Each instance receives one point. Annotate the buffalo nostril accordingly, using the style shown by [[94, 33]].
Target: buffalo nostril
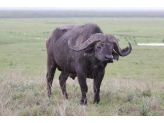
[[109, 57]]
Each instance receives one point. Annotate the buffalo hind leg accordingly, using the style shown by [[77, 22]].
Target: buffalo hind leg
[[62, 80], [96, 86], [51, 67], [84, 88]]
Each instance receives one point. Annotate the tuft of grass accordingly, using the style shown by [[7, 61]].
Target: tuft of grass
[[130, 96], [147, 92], [145, 107]]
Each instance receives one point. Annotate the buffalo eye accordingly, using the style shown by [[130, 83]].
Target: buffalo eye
[[102, 45], [98, 47]]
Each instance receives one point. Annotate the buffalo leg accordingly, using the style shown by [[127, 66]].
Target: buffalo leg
[[51, 67], [96, 85], [84, 88], [62, 80]]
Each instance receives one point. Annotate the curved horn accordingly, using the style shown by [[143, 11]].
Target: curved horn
[[123, 52], [90, 41]]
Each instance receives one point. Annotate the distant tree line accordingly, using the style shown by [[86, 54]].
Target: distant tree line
[[51, 14]]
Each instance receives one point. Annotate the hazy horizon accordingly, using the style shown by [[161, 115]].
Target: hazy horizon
[[87, 8]]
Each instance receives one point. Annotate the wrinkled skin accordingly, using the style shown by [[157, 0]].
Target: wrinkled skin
[[88, 63]]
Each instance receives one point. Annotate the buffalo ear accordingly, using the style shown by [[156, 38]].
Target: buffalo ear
[[115, 55], [89, 51]]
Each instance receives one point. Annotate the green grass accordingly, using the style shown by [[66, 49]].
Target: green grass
[[131, 86]]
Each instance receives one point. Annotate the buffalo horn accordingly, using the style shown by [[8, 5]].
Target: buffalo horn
[[90, 41], [101, 37], [123, 52]]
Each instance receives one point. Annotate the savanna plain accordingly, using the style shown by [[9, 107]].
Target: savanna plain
[[133, 85]]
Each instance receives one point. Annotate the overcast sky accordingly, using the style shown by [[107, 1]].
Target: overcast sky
[[85, 8]]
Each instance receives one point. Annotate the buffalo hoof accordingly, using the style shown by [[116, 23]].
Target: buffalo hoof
[[83, 102], [49, 95], [65, 96], [96, 101]]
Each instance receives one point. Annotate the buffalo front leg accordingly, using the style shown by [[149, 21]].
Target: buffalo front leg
[[51, 67], [96, 86], [62, 80], [84, 88]]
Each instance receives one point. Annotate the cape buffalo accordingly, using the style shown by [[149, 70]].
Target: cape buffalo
[[81, 51]]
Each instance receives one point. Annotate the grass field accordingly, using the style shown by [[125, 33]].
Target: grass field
[[131, 86]]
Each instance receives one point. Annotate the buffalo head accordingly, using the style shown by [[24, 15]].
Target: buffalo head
[[104, 47]]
